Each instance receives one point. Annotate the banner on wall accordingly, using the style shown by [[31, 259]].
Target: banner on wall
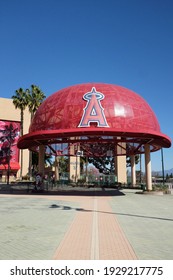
[[9, 135]]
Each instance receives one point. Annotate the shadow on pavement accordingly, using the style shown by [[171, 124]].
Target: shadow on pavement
[[64, 207], [75, 191]]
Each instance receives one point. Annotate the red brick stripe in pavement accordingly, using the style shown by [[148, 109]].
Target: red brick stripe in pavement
[[94, 234]]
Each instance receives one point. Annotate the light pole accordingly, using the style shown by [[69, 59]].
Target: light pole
[[163, 172], [140, 158]]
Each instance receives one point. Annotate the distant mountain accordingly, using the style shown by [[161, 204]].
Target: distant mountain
[[159, 173]]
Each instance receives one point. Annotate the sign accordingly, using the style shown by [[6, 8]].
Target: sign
[[93, 112], [9, 135]]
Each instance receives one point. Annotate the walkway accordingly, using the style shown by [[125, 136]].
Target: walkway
[[95, 234], [93, 225]]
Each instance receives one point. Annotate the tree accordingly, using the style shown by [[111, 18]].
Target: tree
[[31, 98], [106, 165], [128, 160], [63, 164], [20, 101], [34, 99]]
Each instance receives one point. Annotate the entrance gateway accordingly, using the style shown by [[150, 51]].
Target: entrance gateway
[[97, 119]]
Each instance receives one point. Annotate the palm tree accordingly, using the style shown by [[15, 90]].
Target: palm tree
[[20, 101], [32, 98], [35, 98]]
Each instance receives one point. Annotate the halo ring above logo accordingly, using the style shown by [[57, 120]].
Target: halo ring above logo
[[88, 95]]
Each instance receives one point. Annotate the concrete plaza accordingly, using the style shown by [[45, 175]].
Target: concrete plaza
[[93, 224]]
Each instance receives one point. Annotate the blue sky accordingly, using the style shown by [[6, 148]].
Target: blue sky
[[58, 43]]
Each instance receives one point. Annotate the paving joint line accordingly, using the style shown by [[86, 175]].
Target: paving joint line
[[95, 233]]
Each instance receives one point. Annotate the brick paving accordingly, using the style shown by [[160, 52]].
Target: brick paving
[[114, 245], [95, 234], [93, 226], [77, 241]]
